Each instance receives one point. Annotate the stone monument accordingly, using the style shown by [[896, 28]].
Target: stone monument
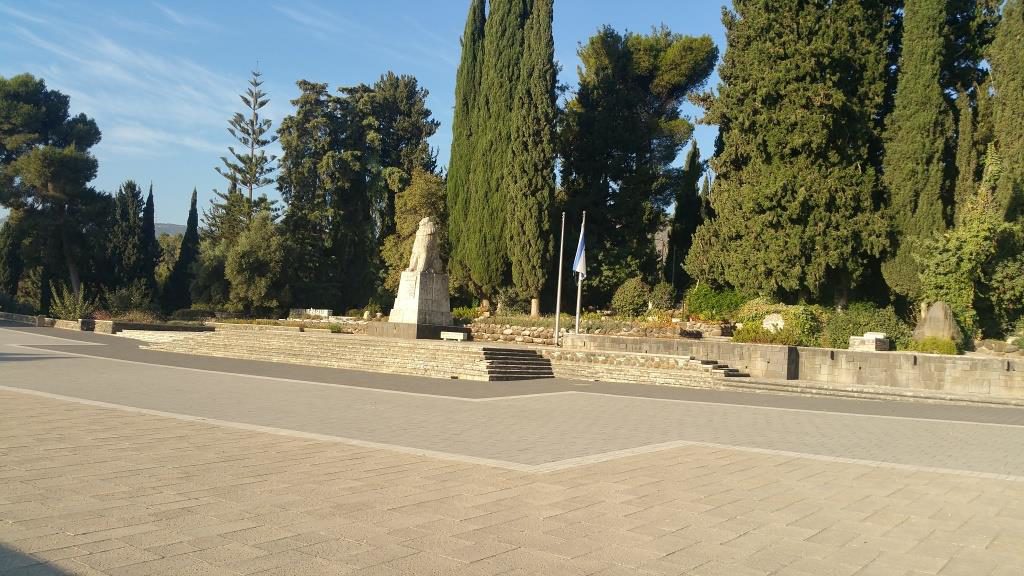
[[422, 305]]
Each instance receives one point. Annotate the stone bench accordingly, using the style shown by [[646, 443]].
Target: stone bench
[[455, 336]]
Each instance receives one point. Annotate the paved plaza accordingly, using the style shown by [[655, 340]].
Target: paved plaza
[[119, 461]]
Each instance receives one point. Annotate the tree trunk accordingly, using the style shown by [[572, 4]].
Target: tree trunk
[[535, 308], [66, 243]]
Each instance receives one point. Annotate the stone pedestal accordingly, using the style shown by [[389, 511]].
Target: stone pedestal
[[422, 308], [422, 299]]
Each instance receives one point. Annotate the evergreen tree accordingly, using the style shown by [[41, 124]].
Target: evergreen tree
[[1006, 56], [254, 266], [177, 294], [795, 196], [250, 167], [45, 164], [494, 120], [621, 134], [966, 152], [531, 179], [11, 263], [706, 211], [126, 239], [916, 143], [465, 147], [402, 124], [228, 214], [150, 245], [686, 217]]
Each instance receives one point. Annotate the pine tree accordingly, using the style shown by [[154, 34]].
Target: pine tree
[[465, 147], [1006, 56], [150, 246], [620, 136], [493, 123], [126, 239], [250, 167], [531, 179], [796, 188], [686, 217], [177, 294]]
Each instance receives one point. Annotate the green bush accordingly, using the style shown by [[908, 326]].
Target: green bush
[[632, 298], [861, 317], [663, 296], [934, 346], [192, 315], [139, 317], [129, 298], [802, 327], [12, 305], [464, 314], [66, 305], [706, 303]]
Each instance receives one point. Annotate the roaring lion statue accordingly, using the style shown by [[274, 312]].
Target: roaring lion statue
[[425, 253]]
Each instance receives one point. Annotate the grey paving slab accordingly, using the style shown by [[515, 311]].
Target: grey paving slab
[[531, 430]]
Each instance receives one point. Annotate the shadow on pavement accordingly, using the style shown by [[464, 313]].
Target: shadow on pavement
[[8, 357], [11, 560]]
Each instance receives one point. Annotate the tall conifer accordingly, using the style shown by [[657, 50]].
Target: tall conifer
[[795, 193], [916, 140], [686, 217], [966, 152], [150, 246], [177, 293], [531, 180], [493, 123], [461, 228], [1007, 58]]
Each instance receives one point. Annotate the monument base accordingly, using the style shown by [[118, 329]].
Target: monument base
[[409, 331]]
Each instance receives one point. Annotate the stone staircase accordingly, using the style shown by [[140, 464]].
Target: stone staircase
[[435, 359]]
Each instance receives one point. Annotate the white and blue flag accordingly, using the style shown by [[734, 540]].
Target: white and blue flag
[[579, 265]]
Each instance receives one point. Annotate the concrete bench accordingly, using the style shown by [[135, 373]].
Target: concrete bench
[[456, 336]]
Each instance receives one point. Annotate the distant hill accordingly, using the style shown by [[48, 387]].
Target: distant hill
[[171, 229], [161, 228]]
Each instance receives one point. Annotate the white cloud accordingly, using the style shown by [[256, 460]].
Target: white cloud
[[184, 20]]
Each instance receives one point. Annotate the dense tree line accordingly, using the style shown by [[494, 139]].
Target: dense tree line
[[867, 150]]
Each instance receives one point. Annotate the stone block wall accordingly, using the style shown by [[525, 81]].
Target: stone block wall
[[510, 333], [913, 370], [758, 360]]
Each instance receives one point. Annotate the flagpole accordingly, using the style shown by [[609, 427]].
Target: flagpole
[[579, 283], [558, 297]]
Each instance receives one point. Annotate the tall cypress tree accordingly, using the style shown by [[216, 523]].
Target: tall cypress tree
[[916, 140], [796, 188], [494, 122], [461, 228], [150, 245], [1006, 56], [531, 179], [177, 293], [686, 217], [11, 262], [966, 151]]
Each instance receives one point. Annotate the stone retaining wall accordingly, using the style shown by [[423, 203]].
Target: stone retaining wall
[[510, 333], [981, 376], [41, 321], [758, 360]]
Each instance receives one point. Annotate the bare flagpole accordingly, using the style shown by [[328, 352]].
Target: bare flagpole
[[558, 297]]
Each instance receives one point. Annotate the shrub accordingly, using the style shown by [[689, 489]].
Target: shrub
[[139, 317], [706, 303], [129, 298], [756, 309], [861, 317], [934, 346], [10, 304], [632, 298], [663, 296], [66, 305], [802, 327], [192, 315], [511, 303], [464, 314]]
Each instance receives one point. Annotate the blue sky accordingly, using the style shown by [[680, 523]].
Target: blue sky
[[162, 78]]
